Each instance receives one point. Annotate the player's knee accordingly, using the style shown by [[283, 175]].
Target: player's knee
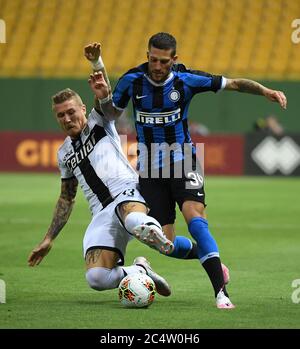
[[191, 209], [99, 278], [134, 219], [131, 207]]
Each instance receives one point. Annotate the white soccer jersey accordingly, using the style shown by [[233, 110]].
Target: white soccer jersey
[[97, 160]]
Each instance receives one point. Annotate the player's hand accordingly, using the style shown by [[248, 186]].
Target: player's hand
[[276, 96], [39, 252], [92, 51], [99, 85]]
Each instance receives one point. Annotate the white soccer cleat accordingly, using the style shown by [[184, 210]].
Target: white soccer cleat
[[225, 274], [152, 236], [162, 286], [223, 302]]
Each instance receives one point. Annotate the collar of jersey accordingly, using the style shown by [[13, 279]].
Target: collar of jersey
[[170, 77]]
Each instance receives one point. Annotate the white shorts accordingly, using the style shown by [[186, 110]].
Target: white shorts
[[106, 231]]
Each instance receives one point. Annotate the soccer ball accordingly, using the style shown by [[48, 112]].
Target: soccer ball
[[137, 291]]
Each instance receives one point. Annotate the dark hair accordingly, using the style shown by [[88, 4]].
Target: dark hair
[[163, 41], [65, 95]]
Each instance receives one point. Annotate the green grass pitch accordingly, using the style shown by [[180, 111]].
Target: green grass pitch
[[254, 220]]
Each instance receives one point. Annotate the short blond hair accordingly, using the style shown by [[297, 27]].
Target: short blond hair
[[65, 95]]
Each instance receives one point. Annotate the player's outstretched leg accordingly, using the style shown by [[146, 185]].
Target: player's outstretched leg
[[100, 278], [154, 237], [148, 230], [162, 286]]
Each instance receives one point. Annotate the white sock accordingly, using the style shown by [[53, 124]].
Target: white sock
[[134, 219], [100, 278]]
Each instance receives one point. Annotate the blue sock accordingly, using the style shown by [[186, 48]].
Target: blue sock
[[207, 246], [182, 247]]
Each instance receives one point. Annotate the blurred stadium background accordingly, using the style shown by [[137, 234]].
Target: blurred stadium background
[[243, 135], [249, 37], [43, 53]]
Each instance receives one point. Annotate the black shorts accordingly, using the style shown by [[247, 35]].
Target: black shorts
[[162, 194]]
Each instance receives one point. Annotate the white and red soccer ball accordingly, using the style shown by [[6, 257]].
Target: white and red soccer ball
[[137, 291]]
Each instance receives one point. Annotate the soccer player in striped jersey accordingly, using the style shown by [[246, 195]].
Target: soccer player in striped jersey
[[92, 157], [161, 91]]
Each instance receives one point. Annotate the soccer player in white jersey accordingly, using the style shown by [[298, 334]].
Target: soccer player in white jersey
[[92, 157]]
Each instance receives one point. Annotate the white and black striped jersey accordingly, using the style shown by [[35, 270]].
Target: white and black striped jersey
[[97, 160]]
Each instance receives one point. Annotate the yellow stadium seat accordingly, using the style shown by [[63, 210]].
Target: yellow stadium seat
[[251, 37]]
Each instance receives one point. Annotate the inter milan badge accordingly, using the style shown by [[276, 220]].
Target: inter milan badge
[[174, 95]]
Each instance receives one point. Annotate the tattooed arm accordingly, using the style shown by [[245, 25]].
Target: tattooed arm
[[253, 87], [61, 215]]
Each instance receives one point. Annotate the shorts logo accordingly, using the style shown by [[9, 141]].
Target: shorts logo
[[174, 95]]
